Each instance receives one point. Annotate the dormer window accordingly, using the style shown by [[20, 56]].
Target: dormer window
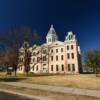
[[50, 40], [69, 37]]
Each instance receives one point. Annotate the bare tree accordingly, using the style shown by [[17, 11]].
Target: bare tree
[[14, 39]]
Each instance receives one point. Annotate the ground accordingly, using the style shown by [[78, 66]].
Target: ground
[[87, 81], [47, 94]]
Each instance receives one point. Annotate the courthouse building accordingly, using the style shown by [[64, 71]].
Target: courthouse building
[[54, 56]]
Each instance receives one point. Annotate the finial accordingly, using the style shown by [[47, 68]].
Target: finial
[[52, 26]]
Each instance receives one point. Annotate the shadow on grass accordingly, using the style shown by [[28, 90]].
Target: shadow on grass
[[11, 79], [45, 74]]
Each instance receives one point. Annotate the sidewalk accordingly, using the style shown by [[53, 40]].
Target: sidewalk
[[60, 89]]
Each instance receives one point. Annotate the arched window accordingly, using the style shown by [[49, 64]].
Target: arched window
[[56, 58], [73, 67], [33, 68], [67, 47], [72, 55], [62, 57], [62, 67], [57, 68], [72, 47], [69, 69], [37, 68], [61, 49], [51, 67]]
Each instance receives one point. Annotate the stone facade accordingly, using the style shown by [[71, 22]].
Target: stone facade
[[53, 56]]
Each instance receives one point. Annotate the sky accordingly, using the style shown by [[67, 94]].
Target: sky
[[80, 16]]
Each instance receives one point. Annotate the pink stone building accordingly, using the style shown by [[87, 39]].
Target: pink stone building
[[54, 56]]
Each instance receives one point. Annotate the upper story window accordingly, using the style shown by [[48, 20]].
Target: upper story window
[[34, 53], [61, 49], [56, 58], [44, 51], [33, 59], [68, 56], [62, 57], [44, 58], [57, 68], [51, 50], [70, 37], [67, 47], [72, 47], [72, 55], [51, 58], [49, 39], [38, 59], [56, 50], [38, 52]]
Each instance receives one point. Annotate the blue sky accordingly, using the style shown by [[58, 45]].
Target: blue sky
[[80, 16]]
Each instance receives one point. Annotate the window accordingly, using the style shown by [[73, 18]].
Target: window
[[44, 64], [56, 58], [33, 59], [44, 58], [44, 51], [67, 47], [61, 49], [68, 55], [38, 52], [62, 57], [34, 53], [62, 67], [69, 67], [38, 59], [56, 67], [51, 67], [72, 55], [33, 68], [69, 37], [21, 67], [73, 67], [72, 47], [49, 40], [52, 51], [51, 58], [53, 39], [56, 50], [37, 68]]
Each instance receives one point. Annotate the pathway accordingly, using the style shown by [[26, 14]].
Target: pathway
[[61, 89]]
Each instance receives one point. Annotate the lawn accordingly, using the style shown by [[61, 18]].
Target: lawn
[[47, 94], [86, 81]]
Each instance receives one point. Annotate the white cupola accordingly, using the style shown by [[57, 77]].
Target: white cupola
[[51, 36]]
